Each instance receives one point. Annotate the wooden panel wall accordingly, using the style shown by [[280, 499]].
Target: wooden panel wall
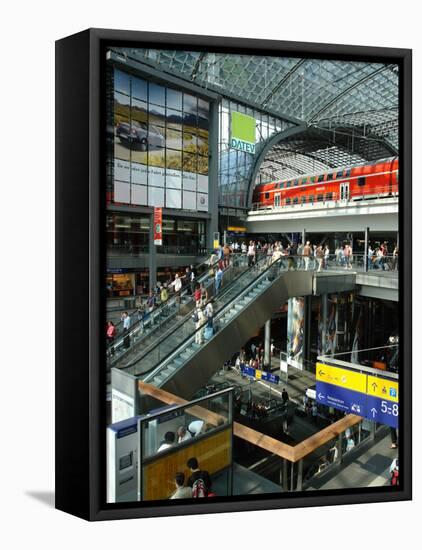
[[213, 454]]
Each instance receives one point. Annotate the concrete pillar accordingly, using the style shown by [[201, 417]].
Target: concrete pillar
[[152, 255], [365, 259], [307, 328], [267, 344], [303, 236]]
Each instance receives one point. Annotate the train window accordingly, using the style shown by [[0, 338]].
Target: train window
[[321, 178], [339, 174], [320, 198], [303, 199], [347, 174], [329, 177], [328, 196], [282, 185], [361, 181], [295, 200], [267, 195], [288, 200], [314, 179], [288, 184], [311, 198], [296, 182]]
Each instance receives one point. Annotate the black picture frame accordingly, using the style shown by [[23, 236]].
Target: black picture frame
[[80, 376]]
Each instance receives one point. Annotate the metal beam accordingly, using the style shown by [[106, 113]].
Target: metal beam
[[346, 91]]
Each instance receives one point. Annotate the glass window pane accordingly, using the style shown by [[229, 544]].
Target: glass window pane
[[121, 82], [156, 157], [173, 139], [139, 173], [174, 159], [189, 200], [139, 194], [122, 130], [190, 105], [190, 140], [155, 196], [155, 176], [189, 162], [173, 179], [121, 170], [189, 181], [202, 202], [173, 198], [174, 99], [157, 115], [121, 192], [139, 89], [157, 94], [174, 119]]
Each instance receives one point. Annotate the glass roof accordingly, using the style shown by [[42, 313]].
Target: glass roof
[[350, 108], [307, 89]]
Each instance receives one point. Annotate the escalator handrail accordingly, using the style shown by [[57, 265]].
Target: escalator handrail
[[174, 328], [247, 288], [172, 297]]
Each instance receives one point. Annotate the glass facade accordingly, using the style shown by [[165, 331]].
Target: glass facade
[[160, 145], [235, 167]]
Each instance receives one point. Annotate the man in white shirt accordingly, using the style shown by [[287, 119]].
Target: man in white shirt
[[182, 434], [169, 439]]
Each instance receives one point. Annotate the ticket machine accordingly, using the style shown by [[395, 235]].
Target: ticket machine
[[122, 461]]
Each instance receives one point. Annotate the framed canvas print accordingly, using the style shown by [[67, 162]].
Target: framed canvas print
[[233, 274]]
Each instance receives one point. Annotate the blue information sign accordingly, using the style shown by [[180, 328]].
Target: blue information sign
[[343, 399], [260, 374], [382, 411]]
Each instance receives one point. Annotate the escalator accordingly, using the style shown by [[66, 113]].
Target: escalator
[[129, 346], [183, 362]]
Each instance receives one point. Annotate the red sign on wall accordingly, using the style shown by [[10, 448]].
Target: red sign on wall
[[158, 226]]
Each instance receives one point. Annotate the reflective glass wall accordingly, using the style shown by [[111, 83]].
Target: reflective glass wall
[[235, 167], [160, 145]]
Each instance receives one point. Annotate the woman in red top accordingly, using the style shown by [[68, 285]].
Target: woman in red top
[[111, 334], [197, 296]]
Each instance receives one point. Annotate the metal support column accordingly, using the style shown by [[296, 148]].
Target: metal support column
[[292, 476], [152, 255], [303, 236], [285, 484], [299, 475], [324, 314], [267, 344], [212, 223], [365, 259], [307, 328]]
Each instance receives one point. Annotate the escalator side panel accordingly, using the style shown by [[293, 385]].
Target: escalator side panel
[[196, 372]]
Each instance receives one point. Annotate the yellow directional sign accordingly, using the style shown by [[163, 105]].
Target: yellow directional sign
[[258, 374], [341, 377], [385, 389]]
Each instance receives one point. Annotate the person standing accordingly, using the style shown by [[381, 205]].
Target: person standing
[[218, 280], [284, 396], [111, 334], [306, 254], [126, 326], [319, 253], [251, 254], [181, 490], [199, 480], [199, 321]]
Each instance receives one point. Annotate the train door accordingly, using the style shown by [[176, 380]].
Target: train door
[[277, 199], [344, 191]]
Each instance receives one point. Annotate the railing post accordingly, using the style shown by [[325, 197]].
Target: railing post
[[285, 484], [299, 475]]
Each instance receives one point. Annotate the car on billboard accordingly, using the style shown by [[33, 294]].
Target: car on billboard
[[140, 134]]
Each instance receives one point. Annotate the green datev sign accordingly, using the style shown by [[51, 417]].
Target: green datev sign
[[242, 136]]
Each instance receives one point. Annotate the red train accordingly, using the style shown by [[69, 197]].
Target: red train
[[369, 181]]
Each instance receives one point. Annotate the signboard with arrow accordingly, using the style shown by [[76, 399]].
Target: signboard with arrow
[[371, 397]]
